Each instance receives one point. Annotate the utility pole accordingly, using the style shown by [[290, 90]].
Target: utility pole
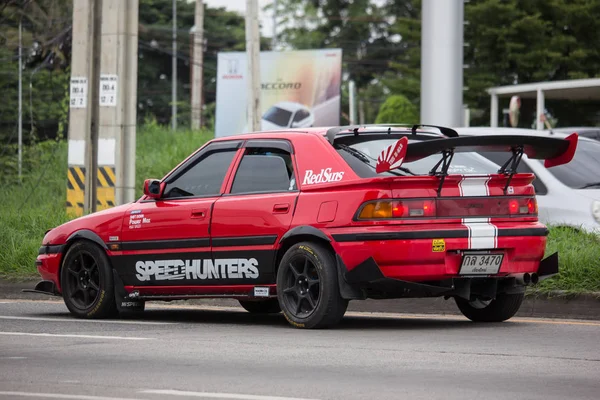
[[118, 103], [20, 124], [91, 175], [253, 53], [352, 101], [442, 62], [174, 71], [274, 39], [197, 70], [80, 99]]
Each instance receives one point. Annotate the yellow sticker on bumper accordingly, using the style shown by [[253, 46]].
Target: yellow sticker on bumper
[[438, 245]]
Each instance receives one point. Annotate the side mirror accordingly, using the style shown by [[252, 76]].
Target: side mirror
[[295, 124], [153, 188]]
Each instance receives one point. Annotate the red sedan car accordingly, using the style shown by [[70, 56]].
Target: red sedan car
[[302, 221]]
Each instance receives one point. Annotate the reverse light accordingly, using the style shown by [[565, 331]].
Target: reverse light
[[596, 210], [457, 207]]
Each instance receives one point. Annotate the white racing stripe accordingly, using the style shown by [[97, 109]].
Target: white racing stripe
[[62, 396], [57, 335], [96, 321], [482, 233], [218, 395]]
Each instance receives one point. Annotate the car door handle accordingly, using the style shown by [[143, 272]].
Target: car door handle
[[281, 208], [199, 214]]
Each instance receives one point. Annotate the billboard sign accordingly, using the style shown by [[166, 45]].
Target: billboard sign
[[298, 89]]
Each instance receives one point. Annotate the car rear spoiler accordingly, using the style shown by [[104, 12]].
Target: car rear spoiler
[[554, 151]]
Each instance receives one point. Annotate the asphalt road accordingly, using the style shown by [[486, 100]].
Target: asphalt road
[[188, 352]]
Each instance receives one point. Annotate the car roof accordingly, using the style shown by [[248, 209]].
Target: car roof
[[578, 129], [290, 105], [288, 133], [486, 130]]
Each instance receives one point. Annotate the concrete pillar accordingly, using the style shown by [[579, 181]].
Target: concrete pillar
[[540, 107], [442, 62], [80, 102], [494, 111]]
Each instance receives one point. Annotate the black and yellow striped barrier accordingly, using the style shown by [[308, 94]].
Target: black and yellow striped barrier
[[75, 191], [105, 190]]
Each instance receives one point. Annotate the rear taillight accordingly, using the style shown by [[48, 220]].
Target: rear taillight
[[459, 207], [413, 208]]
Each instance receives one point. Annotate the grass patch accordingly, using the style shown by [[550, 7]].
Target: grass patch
[[579, 262], [36, 204], [28, 209]]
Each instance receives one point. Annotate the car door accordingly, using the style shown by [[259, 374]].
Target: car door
[[256, 211], [166, 242]]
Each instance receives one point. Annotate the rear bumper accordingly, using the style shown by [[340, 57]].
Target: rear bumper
[[367, 280], [420, 253]]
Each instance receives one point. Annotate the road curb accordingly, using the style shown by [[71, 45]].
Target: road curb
[[554, 305]]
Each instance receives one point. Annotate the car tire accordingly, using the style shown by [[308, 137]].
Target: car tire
[[87, 282], [503, 307], [307, 287], [270, 306]]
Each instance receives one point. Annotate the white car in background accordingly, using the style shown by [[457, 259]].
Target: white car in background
[[287, 114], [567, 195]]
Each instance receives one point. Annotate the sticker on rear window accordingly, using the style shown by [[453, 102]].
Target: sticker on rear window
[[438, 245]]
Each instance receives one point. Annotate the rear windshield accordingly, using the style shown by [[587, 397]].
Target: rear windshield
[[364, 161], [278, 116], [584, 170]]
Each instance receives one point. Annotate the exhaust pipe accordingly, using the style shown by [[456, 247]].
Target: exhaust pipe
[[522, 279], [535, 278]]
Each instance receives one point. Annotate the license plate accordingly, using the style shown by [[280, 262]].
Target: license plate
[[481, 264]]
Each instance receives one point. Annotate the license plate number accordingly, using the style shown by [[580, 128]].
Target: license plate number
[[481, 264]]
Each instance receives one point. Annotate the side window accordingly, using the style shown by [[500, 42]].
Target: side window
[[500, 159], [204, 178], [264, 170], [300, 115]]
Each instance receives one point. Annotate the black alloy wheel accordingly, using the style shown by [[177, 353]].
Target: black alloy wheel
[[307, 286], [87, 281], [83, 280], [301, 292]]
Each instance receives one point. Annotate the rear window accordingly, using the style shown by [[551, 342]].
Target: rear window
[[364, 161], [278, 116]]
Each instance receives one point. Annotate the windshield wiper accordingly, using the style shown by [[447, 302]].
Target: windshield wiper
[[589, 185], [356, 153]]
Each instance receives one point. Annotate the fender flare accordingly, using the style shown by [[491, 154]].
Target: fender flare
[[88, 235], [304, 230]]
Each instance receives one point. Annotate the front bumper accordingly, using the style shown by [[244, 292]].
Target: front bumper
[[367, 280]]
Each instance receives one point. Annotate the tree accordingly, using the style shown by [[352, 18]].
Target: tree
[[510, 42], [223, 31], [397, 109], [522, 41]]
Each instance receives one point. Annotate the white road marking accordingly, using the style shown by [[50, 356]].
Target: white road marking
[[234, 396], [97, 321], [13, 358], [360, 314], [73, 336], [63, 396]]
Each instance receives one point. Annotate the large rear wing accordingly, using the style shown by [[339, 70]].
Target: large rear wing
[[554, 151]]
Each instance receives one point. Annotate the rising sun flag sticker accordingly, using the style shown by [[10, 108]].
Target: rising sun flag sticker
[[392, 156]]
